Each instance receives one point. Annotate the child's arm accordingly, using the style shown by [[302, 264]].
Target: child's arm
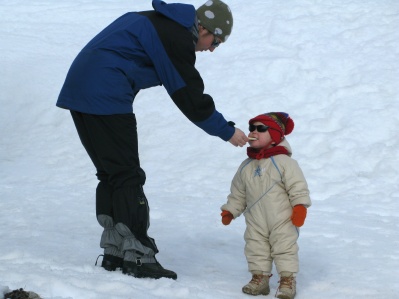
[[236, 202], [296, 185], [298, 192]]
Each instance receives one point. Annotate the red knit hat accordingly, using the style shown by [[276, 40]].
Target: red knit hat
[[279, 124]]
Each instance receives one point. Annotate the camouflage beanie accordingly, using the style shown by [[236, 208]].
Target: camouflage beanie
[[216, 17]]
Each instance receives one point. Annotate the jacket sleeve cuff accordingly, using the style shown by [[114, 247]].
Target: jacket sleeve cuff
[[216, 125]]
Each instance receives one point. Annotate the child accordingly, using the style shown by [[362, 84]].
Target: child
[[270, 189]]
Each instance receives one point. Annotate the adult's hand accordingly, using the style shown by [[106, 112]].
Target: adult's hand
[[239, 138]]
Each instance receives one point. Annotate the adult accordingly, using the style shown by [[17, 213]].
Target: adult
[[140, 50]]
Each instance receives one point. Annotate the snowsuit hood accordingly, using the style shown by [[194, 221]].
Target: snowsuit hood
[[284, 143]]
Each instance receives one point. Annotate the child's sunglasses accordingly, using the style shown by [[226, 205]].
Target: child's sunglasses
[[259, 128]]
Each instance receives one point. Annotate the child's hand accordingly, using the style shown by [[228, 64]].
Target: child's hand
[[226, 217], [298, 215]]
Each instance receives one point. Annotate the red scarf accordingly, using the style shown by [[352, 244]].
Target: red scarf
[[265, 153]]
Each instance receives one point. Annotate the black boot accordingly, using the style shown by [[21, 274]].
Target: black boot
[[111, 262], [147, 270]]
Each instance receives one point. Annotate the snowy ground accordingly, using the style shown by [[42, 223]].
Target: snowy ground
[[333, 65]]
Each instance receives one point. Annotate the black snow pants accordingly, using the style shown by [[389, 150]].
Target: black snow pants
[[121, 205]]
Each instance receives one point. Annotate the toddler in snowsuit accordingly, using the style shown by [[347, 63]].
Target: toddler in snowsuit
[[270, 189]]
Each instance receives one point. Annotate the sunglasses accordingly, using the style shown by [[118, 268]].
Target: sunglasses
[[259, 128], [216, 42]]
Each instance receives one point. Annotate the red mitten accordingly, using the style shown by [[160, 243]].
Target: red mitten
[[226, 217], [298, 215]]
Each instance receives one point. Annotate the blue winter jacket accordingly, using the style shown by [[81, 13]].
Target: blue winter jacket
[[137, 51]]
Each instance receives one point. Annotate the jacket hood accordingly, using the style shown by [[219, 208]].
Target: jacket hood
[[184, 14], [286, 145]]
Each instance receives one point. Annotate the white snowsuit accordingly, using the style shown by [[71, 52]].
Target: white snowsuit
[[265, 191]]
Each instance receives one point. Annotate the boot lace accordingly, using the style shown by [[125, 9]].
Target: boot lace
[[257, 278], [286, 282]]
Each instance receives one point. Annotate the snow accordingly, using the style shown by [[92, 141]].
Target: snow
[[333, 65]]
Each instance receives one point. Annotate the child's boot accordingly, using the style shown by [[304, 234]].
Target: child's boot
[[259, 285], [287, 287]]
